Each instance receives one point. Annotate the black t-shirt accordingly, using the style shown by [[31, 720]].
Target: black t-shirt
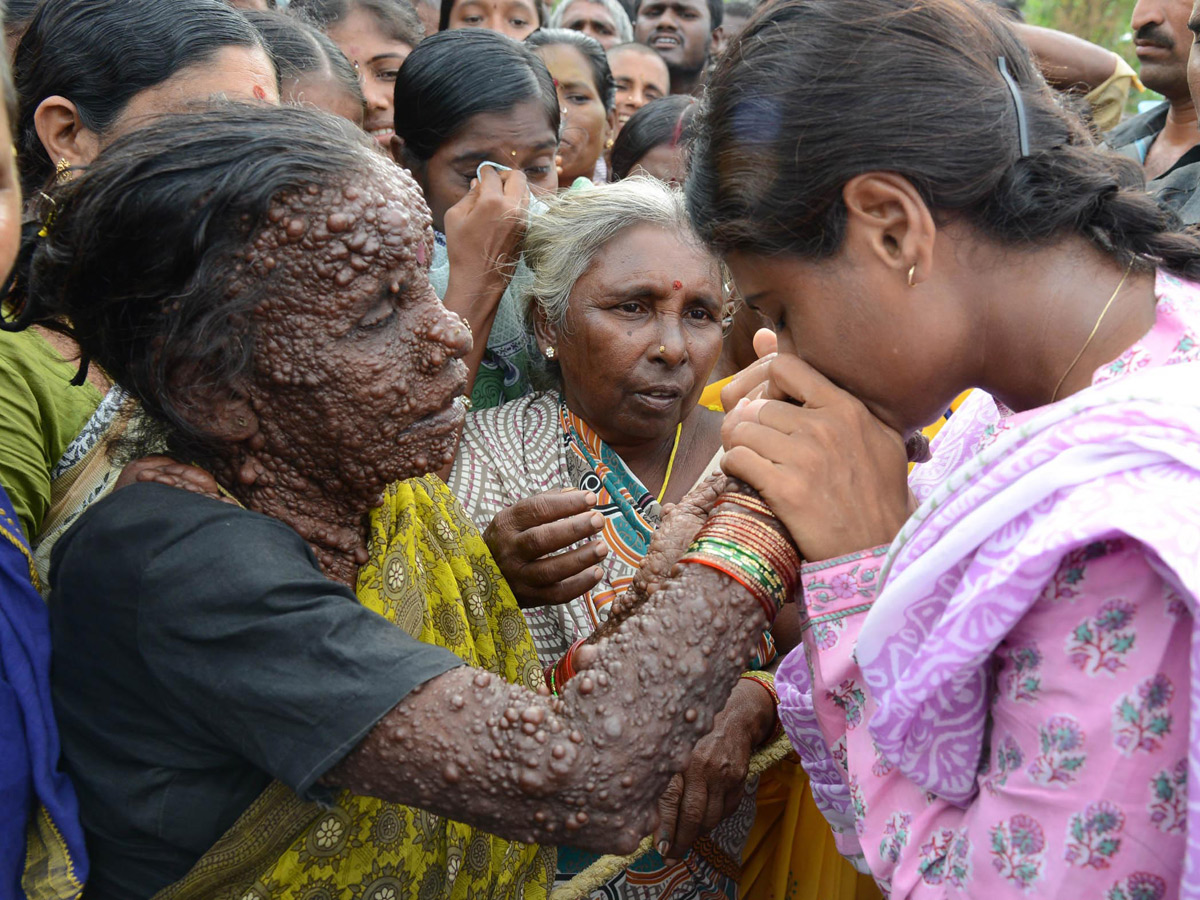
[[199, 653]]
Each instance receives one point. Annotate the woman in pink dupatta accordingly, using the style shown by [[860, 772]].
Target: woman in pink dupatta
[[995, 693]]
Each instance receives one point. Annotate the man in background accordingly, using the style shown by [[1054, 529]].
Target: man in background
[[1159, 138], [685, 33]]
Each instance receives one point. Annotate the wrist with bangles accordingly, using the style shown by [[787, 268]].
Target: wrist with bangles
[[749, 550], [766, 680], [564, 670], [744, 547]]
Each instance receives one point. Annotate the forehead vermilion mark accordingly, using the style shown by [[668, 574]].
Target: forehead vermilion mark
[[421, 253], [259, 93], [677, 284]]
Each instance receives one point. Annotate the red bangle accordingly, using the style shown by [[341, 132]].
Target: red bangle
[[767, 683], [564, 670]]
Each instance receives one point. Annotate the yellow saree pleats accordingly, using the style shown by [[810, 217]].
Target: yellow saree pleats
[[790, 854], [431, 573]]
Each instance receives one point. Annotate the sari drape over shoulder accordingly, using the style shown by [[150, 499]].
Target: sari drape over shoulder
[[42, 854]]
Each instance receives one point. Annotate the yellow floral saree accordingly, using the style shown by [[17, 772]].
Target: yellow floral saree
[[431, 573]]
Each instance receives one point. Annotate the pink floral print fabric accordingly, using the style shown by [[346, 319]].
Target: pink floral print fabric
[[999, 704]]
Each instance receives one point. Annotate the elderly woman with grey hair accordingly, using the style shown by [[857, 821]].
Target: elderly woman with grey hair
[[569, 484], [604, 20]]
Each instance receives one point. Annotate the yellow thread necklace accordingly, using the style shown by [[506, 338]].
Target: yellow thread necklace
[[670, 463]]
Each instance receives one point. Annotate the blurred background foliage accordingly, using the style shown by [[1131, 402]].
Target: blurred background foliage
[[1103, 22]]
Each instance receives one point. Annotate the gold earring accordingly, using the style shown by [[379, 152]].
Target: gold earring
[[62, 172], [608, 145], [550, 353], [912, 273]]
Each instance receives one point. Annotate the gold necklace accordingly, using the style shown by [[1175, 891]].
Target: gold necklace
[[1095, 328], [670, 463]]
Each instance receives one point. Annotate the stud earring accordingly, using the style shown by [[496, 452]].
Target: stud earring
[[550, 353], [912, 274], [608, 145], [62, 171]]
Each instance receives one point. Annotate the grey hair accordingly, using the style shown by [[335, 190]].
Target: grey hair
[[615, 9], [562, 241]]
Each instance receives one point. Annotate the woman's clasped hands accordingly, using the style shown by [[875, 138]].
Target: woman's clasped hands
[[834, 474]]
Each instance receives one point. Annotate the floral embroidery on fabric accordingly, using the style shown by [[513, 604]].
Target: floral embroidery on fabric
[[1176, 607], [850, 699], [1062, 754], [882, 765], [895, 836], [1141, 719], [1139, 886], [1184, 349], [1073, 569], [1018, 848], [1131, 360], [1099, 643], [1093, 837], [827, 632], [946, 857], [1008, 759], [838, 752], [858, 582], [1022, 674], [860, 807], [1168, 803]]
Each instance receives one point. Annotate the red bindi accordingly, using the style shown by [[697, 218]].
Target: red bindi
[[259, 93], [678, 285]]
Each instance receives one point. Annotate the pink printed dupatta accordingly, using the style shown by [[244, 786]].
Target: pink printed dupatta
[[1120, 458]]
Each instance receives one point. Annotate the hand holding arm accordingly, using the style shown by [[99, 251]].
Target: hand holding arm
[[833, 473], [527, 541]]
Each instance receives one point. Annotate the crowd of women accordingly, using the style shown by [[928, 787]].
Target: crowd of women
[[441, 458]]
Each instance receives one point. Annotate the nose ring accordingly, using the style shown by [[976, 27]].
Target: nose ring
[[662, 348]]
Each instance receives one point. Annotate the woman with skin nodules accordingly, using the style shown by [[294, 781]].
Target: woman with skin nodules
[[376, 36], [323, 662], [640, 76], [587, 93], [516, 19], [76, 94], [604, 20], [1028, 596], [312, 70], [466, 97], [627, 307]]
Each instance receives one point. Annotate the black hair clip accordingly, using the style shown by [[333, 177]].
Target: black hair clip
[[1015, 90]]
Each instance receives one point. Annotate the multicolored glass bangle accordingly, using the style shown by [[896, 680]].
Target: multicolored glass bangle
[[748, 550], [564, 670]]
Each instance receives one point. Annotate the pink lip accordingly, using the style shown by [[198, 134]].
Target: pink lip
[[1148, 49]]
